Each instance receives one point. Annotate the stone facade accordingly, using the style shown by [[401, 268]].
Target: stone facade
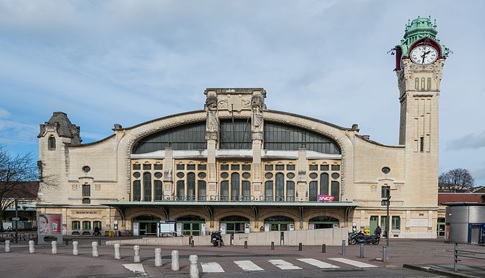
[[240, 167]]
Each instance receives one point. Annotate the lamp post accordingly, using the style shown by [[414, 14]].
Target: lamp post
[[16, 221], [387, 218]]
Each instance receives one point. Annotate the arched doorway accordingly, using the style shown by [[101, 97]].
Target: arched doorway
[[279, 223], [322, 222], [145, 225], [234, 224], [191, 225]]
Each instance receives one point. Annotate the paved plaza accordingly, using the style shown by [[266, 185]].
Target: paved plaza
[[429, 256]]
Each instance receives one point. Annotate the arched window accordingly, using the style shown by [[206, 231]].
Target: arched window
[[280, 187], [136, 190], [235, 186], [147, 186], [268, 191], [191, 186], [51, 143]]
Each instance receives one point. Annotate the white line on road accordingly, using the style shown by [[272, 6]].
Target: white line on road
[[248, 265], [318, 263], [352, 262], [211, 267], [135, 268], [283, 264]]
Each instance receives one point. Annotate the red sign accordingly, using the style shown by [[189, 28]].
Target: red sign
[[325, 198]]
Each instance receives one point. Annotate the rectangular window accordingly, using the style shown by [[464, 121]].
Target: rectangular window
[[97, 224], [268, 167], [158, 166], [421, 144], [423, 84], [246, 167], [335, 190], [324, 167], [158, 190], [290, 167], [313, 191], [202, 191], [190, 166], [224, 167], [224, 191], [86, 190], [76, 225], [335, 167], [290, 191], [147, 166], [180, 166], [396, 223], [383, 223], [385, 191], [268, 191], [235, 167], [181, 190], [428, 87], [202, 167], [280, 167], [313, 167], [136, 166], [86, 225], [86, 201]]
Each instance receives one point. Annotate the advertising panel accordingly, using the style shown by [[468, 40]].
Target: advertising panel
[[49, 224]]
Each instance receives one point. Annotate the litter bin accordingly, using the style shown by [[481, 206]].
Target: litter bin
[[111, 233]]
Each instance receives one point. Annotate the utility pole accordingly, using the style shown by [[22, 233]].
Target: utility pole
[[387, 219]]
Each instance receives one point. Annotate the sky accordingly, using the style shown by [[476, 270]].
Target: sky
[[128, 62]]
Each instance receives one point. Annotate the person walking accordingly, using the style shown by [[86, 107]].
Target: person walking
[[378, 231]]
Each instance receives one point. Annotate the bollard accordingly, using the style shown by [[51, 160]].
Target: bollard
[[94, 245], [384, 253], [190, 240], [117, 251], [54, 247], [219, 243], [136, 258], [194, 270], [175, 260], [300, 246], [232, 239], [75, 251], [324, 248], [31, 247], [361, 250], [343, 247], [158, 256], [7, 246], [272, 245], [245, 244]]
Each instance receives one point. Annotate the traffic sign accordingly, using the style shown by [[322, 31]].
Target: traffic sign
[[15, 218]]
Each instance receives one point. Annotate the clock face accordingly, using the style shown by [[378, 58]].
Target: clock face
[[424, 54]]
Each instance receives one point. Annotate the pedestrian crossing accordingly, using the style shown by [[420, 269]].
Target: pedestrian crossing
[[248, 265]]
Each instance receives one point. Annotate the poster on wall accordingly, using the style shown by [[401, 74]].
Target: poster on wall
[[49, 224]]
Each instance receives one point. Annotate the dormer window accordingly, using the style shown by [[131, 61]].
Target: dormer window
[[51, 143]]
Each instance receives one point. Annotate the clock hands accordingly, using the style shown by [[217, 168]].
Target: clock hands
[[424, 55]]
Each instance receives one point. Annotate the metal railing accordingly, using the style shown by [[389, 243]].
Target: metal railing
[[465, 254]]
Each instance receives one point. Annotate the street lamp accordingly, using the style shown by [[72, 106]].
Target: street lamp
[[387, 218]]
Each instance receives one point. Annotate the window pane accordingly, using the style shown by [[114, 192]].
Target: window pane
[[313, 191], [76, 225], [158, 190], [268, 191], [224, 191], [280, 187], [246, 190], [181, 190], [336, 190], [86, 190], [202, 191], [396, 223], [191, 186], [147, 187], [136, 191], [324, 184], [290, 191], [235, 186]]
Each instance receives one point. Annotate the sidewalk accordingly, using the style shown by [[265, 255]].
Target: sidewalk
[[426, 255]]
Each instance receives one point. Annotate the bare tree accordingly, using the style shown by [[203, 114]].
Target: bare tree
[[16, 175], [456, 180]]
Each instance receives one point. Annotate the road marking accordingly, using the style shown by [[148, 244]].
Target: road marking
[[352, 262], [283, 264], [318, 263], [248, 266], [135, 268], [211, 267]]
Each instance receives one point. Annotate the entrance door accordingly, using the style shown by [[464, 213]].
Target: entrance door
[[374, 220]]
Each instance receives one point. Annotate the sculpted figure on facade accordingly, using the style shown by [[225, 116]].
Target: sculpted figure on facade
[[212, 122], [257, 117]]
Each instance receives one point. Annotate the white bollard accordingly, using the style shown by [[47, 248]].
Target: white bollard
[[117, 251], [7, 246], [54, 247], [136, 258], [75, 250], [158, 257], [175, 260], [194, 270], [31, 247], [94, 244]]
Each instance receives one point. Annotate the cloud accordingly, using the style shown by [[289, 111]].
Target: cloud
[[469, 141]]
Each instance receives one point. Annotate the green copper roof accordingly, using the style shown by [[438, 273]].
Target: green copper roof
[[418, 29]]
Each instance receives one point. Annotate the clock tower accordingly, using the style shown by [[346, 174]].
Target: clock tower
[[419, 62]]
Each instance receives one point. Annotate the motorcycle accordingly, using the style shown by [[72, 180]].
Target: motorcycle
[[216, 239], [360, 237]]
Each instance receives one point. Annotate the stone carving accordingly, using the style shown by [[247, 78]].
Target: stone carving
[[212, 122], [257, 118]]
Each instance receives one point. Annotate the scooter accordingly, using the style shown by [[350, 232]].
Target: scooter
[[216, 239], [360, 237]]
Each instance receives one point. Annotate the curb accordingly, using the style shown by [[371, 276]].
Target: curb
[[431, 269]]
